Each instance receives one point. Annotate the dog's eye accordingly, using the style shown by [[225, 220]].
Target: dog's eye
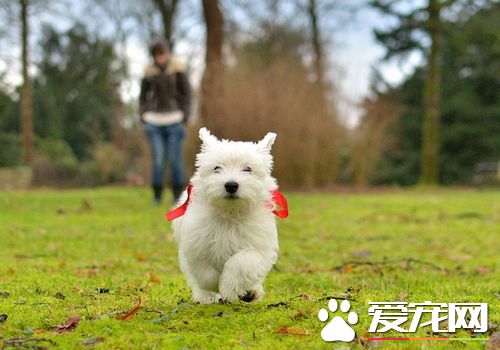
[[247, 169], [217, 169]]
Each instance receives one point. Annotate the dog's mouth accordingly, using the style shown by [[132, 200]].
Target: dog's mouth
[[231, 196]]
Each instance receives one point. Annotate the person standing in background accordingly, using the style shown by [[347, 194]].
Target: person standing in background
[[164, 107]]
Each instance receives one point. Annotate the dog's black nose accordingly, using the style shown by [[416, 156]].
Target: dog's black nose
[[231, 187]]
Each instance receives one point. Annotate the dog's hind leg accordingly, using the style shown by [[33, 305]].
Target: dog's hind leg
[[243, 275]]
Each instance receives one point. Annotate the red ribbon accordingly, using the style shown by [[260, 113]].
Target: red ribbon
[[278, 198], [179, 211]]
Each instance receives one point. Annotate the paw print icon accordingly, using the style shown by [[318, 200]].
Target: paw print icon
[[337, 329]]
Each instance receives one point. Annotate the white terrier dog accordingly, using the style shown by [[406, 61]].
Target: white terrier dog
[[225, 229]]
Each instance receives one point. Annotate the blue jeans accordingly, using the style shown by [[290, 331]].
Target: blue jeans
[[166, 144]]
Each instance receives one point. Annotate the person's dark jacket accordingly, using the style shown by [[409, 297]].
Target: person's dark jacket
[[165, 90]]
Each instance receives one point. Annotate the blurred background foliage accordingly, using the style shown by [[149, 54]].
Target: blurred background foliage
[[470, 118], [274, 78]]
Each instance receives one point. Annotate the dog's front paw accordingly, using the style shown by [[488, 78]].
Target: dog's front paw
[[253, 294], [229, 296], [249, 296], [206, 297]]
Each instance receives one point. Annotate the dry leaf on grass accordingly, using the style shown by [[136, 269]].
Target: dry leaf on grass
[[140, 257], [304, 296], [153, 278], [347, 269], [483, 270], [69, 325], [284, 330], [402, 296], [132, 312]]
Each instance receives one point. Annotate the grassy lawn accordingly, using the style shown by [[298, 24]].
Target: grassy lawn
[[92, 253]]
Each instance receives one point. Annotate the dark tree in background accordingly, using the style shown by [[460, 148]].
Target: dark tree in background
[[168, 9], [317, 43], [77, 99], [470, 104], [432, 93], [324, 21], [26, 107], [211, 85], [279, 76], [400, 40]]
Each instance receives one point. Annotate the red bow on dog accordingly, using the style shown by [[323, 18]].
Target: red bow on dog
[[278, 199]]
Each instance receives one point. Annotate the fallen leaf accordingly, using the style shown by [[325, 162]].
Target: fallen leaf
[[69, 325], [305, 297], [3, 318], [402, 296], [482, 270], [132, 312], [88, 272], [347, 269], [86, 206], [299, 315], [284, 330], [153, 278], [140, 257]]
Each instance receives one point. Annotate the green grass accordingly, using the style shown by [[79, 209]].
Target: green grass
[[57, 248]]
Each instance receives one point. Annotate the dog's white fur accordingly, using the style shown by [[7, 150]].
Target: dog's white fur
[[228, 245]]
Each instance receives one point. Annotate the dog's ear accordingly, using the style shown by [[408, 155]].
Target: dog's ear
[[206, 138], [267, 142]]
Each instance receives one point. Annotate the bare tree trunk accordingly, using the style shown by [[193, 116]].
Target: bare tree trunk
[[167, 9], [211, 100], [316, 41], [430, 131], [26, 90]]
